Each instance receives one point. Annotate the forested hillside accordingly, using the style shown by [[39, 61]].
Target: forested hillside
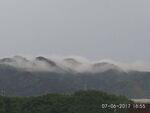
[[89, 101]]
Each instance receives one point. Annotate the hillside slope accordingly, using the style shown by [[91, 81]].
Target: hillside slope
[[18, 80]]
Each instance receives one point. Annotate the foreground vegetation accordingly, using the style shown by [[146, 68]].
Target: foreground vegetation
[[89, 101]]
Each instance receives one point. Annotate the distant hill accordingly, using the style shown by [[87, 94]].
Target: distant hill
[[22, 77], [89, 101]]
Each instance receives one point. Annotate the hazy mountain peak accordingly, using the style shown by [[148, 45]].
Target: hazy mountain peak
[[4, 60], [16, 58], [105, 66], [48, 61], [13, 59], [72, 61], [101, 64]]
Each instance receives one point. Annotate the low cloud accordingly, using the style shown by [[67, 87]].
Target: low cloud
[[72, 64]]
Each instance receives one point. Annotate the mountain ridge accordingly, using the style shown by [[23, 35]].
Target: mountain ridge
[[22, 77], [65, 65]]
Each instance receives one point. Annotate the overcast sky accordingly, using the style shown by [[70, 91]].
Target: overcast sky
[[96, 29]]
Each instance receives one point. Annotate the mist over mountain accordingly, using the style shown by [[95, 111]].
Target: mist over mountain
[[64, 65], [21, 76]]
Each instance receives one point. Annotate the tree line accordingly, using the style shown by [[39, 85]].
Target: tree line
[[84, 101]]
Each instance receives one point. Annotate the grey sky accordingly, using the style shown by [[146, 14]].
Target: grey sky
[[96, 29]]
